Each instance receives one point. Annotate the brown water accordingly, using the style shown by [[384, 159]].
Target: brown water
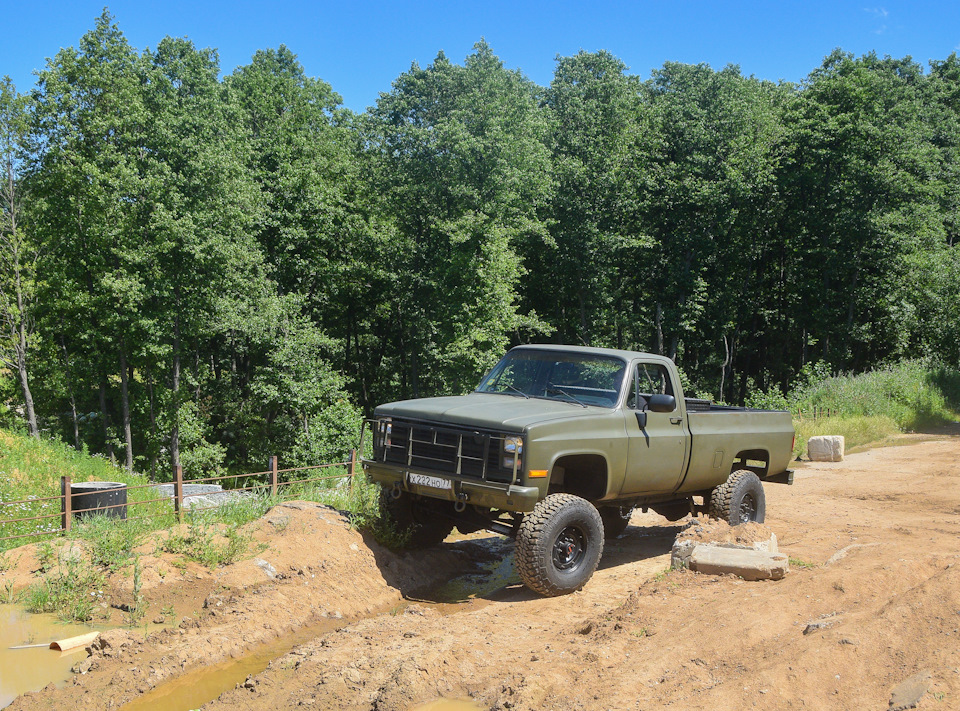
[[202, 685], [449, 705], [32, 669], [205, 684]]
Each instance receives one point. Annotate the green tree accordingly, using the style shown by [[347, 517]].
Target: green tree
[[203, 266], [89, 122], [859, 199], [597, 157], [462, 160], [18, 253]]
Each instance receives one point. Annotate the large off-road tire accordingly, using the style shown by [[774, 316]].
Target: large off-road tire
[[559, 544], [615, 520], [419, 519], [739, 499]]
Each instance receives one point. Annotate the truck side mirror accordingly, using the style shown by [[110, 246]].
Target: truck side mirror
[[661, 403], [642, 419]]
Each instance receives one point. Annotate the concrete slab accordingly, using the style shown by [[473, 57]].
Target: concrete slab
[[748, 564], [825, 448]]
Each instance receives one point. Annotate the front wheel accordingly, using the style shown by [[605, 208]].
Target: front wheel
[[559, 545]]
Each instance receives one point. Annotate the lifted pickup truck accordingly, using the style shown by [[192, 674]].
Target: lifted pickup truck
[[557, 446]]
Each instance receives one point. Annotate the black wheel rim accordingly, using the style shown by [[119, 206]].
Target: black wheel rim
[[569, 549], [748, 508]]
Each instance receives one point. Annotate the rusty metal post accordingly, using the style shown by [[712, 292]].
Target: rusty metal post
[[66, 503], [178, 492], [352, 467], [273, 476]]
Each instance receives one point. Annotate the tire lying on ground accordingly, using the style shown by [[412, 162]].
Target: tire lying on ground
[[739, 499], [421, 519], [559, 544], [615, 519]]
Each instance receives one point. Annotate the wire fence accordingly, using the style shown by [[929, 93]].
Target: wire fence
[[176, 504], [816, 413]]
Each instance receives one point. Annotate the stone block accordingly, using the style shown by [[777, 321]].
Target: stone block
[[747, 563], [825, 448], [680, 554]]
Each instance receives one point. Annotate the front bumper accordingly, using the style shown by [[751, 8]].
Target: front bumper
[[506, 497]]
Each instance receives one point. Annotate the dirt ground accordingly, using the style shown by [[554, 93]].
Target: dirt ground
[[872, 601]]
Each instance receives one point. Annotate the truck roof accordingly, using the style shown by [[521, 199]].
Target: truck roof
[[626, 355]]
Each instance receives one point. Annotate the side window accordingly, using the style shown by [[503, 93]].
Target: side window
[[648, 379]]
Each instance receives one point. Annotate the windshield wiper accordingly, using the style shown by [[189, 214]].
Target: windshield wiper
[[516, 389], [556, 388]]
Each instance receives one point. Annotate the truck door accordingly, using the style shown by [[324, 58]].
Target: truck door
[[657, 454]]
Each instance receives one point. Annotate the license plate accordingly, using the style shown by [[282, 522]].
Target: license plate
[[434, 482]]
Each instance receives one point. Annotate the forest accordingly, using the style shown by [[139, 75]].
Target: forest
[[203, 269]]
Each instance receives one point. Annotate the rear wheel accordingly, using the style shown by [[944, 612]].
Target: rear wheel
[[421, 519], [739, 499], [615, 519], [559, 544]]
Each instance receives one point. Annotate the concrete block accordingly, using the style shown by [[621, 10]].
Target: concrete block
[[680, 554], [826, 448], [748, 564]]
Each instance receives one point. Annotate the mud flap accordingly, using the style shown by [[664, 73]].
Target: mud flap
[[785, 477]]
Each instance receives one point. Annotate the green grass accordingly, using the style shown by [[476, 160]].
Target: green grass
[[212, 546], [31, 469], [72, 590], [872, 406], [912, 394], [856, 430], [110, 542]]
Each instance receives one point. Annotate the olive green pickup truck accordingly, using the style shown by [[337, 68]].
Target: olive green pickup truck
[[557, 446]]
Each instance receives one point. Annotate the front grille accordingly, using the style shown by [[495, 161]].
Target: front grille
[[470, 453]]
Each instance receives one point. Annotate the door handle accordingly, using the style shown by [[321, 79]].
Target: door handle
[[676, 420]]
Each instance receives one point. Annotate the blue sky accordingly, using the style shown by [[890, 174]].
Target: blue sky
[[360, 48]]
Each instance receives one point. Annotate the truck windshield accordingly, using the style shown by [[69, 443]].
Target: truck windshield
[[581, 378]]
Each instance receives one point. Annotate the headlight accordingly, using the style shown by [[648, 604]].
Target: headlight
[[512, 448]]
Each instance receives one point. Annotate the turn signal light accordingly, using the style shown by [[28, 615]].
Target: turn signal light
[[537, 473]]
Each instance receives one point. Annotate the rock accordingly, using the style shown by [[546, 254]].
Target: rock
[[266, 567], [747, 563], [825, 448], [110, 642], [815, 626], [82, 667], [908, 693], [680, 554]]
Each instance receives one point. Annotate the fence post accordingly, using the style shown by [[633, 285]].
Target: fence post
[[352, 466], [66, 503], [273, 475], [178, 492]]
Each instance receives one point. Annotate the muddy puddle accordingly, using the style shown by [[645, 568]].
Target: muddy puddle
[[31, 669], [494, 571], [449, 705], [192, 690]]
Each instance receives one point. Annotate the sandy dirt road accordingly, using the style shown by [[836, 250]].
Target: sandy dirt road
[[872, 601]]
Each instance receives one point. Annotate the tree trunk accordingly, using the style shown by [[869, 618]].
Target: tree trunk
[[73, 401], [125, 405], [175, 393], [105, 419], [659, 326], [27, 395], [20, 329], [153, 427]]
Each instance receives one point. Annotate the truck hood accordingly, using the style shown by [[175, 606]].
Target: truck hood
[[486, 410]]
